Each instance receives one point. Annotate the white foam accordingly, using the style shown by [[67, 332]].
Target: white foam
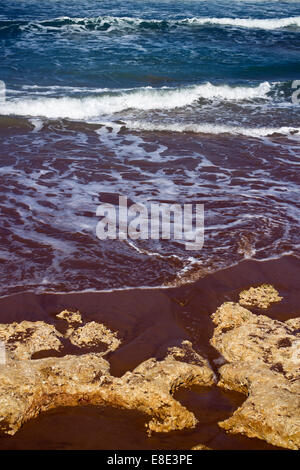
[[268, 24], [116, 23], [59, 88], [146, 98], [206, 128], [37, 124]]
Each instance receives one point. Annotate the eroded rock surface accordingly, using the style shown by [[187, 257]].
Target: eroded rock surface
[[262, 296], [28, 387], [93, 334], [153, 383], [200, 447], [24, 339], [264, 363], [72, 318]]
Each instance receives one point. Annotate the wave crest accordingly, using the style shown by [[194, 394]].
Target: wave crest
[[253, 23], [111, 23], [139, 99]]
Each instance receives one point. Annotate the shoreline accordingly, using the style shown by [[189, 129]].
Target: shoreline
[[190, 278]]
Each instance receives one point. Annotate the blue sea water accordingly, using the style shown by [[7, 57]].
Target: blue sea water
[[161, 101], [140, 43]]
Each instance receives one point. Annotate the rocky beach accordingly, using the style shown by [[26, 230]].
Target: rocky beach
[[211, 365], [149, 227]]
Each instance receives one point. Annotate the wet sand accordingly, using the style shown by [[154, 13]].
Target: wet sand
[[149, 321]]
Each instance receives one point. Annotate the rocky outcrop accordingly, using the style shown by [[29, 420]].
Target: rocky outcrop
[[259, 357], [262, 296], [24, 339], [263, 363], [152, 384], [28, 386], [93, 334], [73, 319]]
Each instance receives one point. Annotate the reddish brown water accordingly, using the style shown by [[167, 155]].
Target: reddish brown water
[[52, 181]]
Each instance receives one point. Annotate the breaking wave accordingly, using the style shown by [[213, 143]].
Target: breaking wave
[[110, 23], [139, 99], [267, 24]]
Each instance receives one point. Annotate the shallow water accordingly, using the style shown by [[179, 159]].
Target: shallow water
[[96, 428]]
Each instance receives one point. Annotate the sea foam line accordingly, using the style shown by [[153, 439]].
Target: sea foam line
[[268, 24], [215, 129], [108, 23], [146, 98]]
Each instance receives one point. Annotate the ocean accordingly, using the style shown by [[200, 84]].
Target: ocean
[[186, 102]]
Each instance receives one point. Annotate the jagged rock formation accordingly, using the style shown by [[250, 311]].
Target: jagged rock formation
[[264, 364], [28, 387], [24, 339], [152, 384], [259, 357], [91, 334], [262, 296]]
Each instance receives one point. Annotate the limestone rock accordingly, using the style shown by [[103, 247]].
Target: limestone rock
[[262, 296], [90, 334], [28, 387], [264, 364], [271, 411], [242, 336], [153, 383], [24, 339], [294, 323], [200, 447], [72, 318], [93, 334]]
